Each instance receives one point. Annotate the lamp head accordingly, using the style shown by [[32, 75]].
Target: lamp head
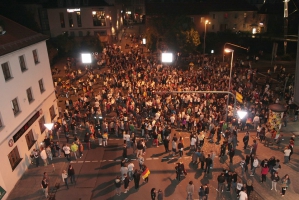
[[227, 50]]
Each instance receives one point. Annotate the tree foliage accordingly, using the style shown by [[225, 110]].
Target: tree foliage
[[171, 32]]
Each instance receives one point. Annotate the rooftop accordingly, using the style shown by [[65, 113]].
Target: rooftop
[[17, 36]]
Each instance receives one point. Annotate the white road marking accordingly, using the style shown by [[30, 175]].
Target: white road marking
[[87, 161], [73, 161], [110, 160], [155, 158], [118, 160], [148, 159], [80, 161]]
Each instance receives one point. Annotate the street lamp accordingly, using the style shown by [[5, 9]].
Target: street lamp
[[49, 126], [204, 38], [227, 50]]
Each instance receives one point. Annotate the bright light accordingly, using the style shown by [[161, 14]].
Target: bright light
[[207, 22], [129, 12], [212, 51], [107, 16], [86, 58], [167, 57], [73, 10], [49, 126], [143, 41], [254, 31], [94, 12], [227, 50], [241, 113]]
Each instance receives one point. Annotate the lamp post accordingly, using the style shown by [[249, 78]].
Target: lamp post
[[230, 77], [227, 43], [204, 37], [49, 126]]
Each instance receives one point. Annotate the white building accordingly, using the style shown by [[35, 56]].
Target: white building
[[85, 18], [27, 100]]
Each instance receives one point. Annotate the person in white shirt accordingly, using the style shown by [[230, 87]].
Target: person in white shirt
[[131, 170], [192, 144], [287, 153], [243, 195], [44, 157]]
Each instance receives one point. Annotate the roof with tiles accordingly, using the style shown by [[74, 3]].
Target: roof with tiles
[[17, 36]]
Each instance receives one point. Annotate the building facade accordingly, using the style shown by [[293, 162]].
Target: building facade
[[28, 99], [85, 18]]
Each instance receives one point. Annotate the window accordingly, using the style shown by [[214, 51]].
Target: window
[[22, 63], [245, 15], [30, 139], [62, 22], [212, 26], [15, 106], [71, 22], [225, 15], [98, 18], [214, 16], [41, 123], [29, 95], [52, 112], [72, 33], [236, 15], [14, 158], [244, 26], [192, 19], [85, 2], [79, 22], [80, 34], [6, 71], [253, 15], [41, 85], [202, 19], [35, 56], [1, 124]]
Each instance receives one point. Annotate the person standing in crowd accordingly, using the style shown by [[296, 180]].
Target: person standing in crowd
[[64, 177], [145, 173], [174, 146], [180, 148], [67, 152], [74, 149], [255, 164], [126, 183], [153, 193], [117, 183], [264, 172], [221, 180], [286, 181], [44, 156], [190, 190], [131, 170], [81, 149], [287, 152], [243, 195], [231, 154], [249, 187], [125, 152], [246, 139], [274, 178], [71, 174], [160, 195], [166, 144], [45, 187], [136, 177], [208, 162], [36, 157]]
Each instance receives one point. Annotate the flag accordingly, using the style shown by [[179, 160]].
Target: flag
[[145, 173]]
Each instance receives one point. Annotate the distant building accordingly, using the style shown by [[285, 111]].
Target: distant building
[[28, 99], [221, 15]]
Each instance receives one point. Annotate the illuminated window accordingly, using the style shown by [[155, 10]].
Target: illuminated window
[[22, 63], [35, 56], [245, 15], [29, 95], [98, 18], [79, 19], [62, 22], [6, 71], [30, 139], [41, 85], [15, 106], [14, 158], [71, 22]]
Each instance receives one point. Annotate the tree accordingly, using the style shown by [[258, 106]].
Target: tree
[[172, 32]]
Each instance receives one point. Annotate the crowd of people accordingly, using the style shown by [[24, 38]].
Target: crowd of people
[[136, 88]]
